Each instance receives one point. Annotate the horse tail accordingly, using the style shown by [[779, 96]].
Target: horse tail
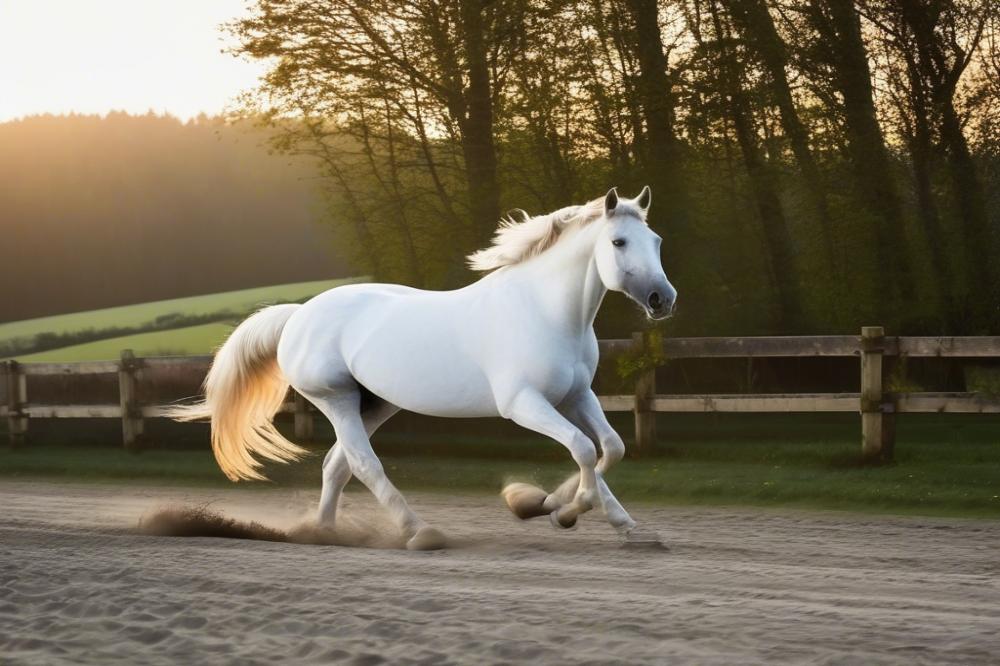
[[244, 389]]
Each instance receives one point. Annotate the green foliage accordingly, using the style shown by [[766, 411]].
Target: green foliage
[[983, 379], [634, 362], [792, 197], [898, 380]]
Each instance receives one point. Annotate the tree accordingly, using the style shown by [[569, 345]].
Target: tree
[[946, 36], [662, 150], [434, 61], [842, 49], [852, 141], [757, 26], [720, 47]]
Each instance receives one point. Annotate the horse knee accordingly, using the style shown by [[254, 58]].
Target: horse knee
[[584, 452], [613, 450]]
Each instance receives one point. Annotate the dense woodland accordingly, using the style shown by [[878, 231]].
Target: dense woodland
[[816, 164], [108, 211]]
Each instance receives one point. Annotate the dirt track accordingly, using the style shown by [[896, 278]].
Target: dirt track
[[738, 586]]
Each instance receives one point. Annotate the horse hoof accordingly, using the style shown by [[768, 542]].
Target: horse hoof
[[427, 538], [525, 500], [644, 540], [562, 520]]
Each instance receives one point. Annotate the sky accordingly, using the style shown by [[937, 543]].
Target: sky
[[96, 56]]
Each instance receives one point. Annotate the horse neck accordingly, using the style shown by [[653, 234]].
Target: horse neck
[[566, 280]]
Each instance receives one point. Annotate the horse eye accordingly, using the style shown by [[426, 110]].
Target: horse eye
[[618, 242]]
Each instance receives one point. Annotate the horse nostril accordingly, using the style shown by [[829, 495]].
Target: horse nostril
[[654, 301]]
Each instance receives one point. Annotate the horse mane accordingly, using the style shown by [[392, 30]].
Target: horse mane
[[517, 240]]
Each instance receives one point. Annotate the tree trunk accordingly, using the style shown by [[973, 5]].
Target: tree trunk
[[420, 127], [772, 218], [776, 234], [657, 102], [757, 25], [941, 64], [478, 148], [607, 111], [922, 154], [866, 144], [980, 285]]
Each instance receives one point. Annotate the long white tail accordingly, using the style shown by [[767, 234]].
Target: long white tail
[[243, 391]]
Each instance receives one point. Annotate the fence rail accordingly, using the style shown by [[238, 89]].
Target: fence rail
[[876, 406]]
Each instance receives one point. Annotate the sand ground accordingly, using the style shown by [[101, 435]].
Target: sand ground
[[78, 585]]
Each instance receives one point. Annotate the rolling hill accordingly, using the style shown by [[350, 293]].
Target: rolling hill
[[155, 336]]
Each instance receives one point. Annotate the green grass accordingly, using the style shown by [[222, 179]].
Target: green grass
[[181, 341], [943, 466], [237, 302]]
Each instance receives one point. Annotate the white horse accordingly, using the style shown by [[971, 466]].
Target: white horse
[[519, 343]]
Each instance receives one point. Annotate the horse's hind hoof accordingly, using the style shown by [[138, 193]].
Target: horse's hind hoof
[[525, 500], [427, 538]]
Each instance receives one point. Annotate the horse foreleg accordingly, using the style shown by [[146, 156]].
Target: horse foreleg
[[586, 412], [531, 410]]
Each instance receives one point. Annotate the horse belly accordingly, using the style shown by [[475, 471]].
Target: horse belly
[[423, 373]]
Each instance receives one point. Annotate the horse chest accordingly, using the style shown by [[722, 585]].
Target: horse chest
[[554, 369]]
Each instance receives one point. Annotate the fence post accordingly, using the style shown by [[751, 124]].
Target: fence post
[[17, 400], [303, 418], [132, 423], [873, 431], [645, 389]]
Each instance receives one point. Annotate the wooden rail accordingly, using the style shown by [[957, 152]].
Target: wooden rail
[[877, 407]]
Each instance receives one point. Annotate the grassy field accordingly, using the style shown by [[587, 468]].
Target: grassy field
[[944, 466], [192, 340], [176, 342]]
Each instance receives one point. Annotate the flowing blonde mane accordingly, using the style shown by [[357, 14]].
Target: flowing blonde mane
[[519, 240]]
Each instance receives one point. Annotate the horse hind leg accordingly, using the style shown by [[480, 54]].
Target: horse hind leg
[[337, 469], [343, 411], [336, 474]]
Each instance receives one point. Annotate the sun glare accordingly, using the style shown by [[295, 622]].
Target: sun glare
[[95, 56]]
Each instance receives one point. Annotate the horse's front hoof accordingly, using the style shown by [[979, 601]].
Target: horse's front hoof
[[562, 519], [427, 538], [640, 539], [525, 500]]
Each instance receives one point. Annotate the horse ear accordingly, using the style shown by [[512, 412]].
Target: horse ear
[[645, 198], [611, 200]]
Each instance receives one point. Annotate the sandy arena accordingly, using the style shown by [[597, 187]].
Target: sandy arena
[[78, 585]]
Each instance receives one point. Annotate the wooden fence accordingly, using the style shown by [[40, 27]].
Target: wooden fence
[[877, 407]]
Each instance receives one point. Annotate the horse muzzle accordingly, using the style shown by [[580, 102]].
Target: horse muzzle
[[660, 302]]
